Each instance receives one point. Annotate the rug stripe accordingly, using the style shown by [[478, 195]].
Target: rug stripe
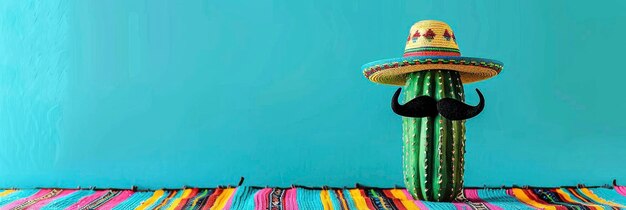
[[242, 198], [406, 203], [439, 205], [155, 196], [36, 199], [308, 199], [165, 199], [88, 199], [16, 196], [47, 201], [587, 201], [359, 201], [260, 199], [223, 199], [418, 203], [396, 202], [341, 200], [27, 199], [192, 202], [229, 201], [521, 195], [177, 199], [367, 199], [325, 198], [6, 192], [472, 196], [304, 198], [571, 198], [334, 200], [599, 200], [211, 200], [291, 202], [621, 190], [69, 200], [133, 201], [183, 202], [610, 195], [348, 199]]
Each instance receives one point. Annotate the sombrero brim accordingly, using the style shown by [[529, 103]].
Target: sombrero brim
[[393, 71]]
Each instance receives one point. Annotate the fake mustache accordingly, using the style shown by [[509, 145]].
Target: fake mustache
[[426, 106]]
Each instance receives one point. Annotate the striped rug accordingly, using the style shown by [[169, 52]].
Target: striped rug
[[306, 198]]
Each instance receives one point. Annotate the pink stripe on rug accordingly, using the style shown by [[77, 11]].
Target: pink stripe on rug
[[86, 200], [419, 204], [32, 197], [291, 202], [256, 199], [510, 193], [472, 195], [230, 200], [261, 200], [45, 202], [621, 190], [117, 199]]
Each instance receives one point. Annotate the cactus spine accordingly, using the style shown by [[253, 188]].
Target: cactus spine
[[433, 147]]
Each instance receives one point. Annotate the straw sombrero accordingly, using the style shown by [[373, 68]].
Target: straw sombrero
[[431, 45]]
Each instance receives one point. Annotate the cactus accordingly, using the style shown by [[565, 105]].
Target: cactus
[[433, 147]]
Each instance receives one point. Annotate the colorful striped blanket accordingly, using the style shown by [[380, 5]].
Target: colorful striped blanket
[[306, 198]]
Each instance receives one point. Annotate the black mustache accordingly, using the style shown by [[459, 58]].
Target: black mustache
[[426, 106], [421, 106]]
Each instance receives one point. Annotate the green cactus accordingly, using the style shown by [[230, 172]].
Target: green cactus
[[433, 147]]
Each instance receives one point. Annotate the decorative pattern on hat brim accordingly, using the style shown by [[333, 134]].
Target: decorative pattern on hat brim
[[393, 71]]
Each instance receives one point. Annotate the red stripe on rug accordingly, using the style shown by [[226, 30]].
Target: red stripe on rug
[[368, 200], [184, 201], [209, 203], [395, 200]]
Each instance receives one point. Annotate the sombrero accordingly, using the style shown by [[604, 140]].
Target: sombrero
[[431, 45]]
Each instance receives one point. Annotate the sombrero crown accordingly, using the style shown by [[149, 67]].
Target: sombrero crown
[[430, 45]]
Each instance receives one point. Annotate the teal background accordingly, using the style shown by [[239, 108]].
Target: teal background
[[171, 93]]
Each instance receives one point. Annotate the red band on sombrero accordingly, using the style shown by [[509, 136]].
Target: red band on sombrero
[[431, 51]]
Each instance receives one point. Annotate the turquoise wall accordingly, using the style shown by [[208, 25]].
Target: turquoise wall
[[165, 93]]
